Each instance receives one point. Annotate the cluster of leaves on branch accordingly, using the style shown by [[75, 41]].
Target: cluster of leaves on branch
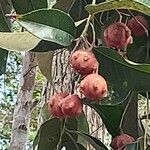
[[122, 58]]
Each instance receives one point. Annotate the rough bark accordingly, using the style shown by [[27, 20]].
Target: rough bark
[[23, 107]]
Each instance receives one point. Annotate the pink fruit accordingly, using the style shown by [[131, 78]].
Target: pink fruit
[[72, 106], [94, 87], [54, 104], [135, 27], [84, 62], [118, 36], [119, 142]]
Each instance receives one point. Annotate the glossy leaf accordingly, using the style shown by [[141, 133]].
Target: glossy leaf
[[138, 51], [127, 73], [115, 96], [49, 133], [44, 61], [24, 6], [18, 41], [45, 46], [5, 26], [111, 116], [97, 144], [138, 5], [71, 146], [5, 23], [53, 25]]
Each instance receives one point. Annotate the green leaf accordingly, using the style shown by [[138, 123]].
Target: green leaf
[[18, 41], [71, 146], [138, 50], [5, 26], [44, 61], [133, 146], [50, 25], [97, 144], [49, 133], [45, 46], [64, 5], [113, 66], [24, 6], [138, 5], [111, 116], [5, 7], [83, 127], [116, 95], [3, 60]]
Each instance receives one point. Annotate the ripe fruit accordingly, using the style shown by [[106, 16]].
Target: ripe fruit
[[119, 142], [93, 86], [71, 106], [135, 27], [118, 36], [84, 62], [54, 104]]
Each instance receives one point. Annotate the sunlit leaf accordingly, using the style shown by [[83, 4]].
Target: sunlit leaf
[[138, 5], [44, 61], [53, 25], [18, 41]]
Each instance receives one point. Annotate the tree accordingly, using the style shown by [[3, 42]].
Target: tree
[[59, 36]]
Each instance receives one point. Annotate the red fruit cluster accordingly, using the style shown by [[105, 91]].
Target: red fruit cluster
[[93, 86], [119, 142], [63, 105], [137, 24], [118, 36], [84, 62]]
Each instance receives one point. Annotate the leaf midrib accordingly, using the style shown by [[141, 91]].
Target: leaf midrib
[[123, 62]]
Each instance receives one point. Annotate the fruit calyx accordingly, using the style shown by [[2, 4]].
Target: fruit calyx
[[84, 62], [94, 87]]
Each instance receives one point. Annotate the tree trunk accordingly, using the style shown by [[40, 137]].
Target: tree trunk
[[23, 107]]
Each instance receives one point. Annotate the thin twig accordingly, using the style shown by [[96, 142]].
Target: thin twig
[[73, 140], [145, 29], [125, 110], [61, 135]]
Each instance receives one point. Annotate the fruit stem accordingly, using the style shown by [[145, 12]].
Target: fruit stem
[[94, 2], [93, 31], [88, 22], [62, 132], [73, 140], [147, 120], [86, 26]]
